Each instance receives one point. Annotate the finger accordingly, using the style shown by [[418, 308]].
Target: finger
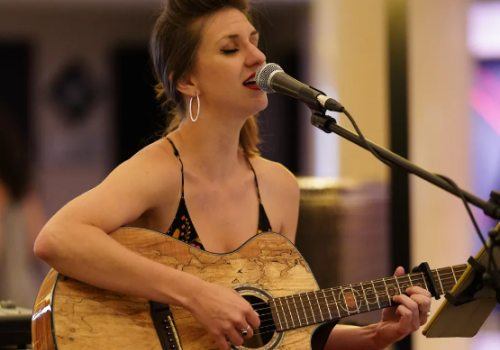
[[424, 306], [423, 319], [234, 336], [406, 319], [423, 302], [400, 271], [253, 319], [411, 306], [418, 290], [221, 342], [243, 325]]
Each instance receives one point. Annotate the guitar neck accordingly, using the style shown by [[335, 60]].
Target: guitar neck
[[300, 310]]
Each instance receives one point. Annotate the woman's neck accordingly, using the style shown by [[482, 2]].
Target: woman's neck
[[210, 147]]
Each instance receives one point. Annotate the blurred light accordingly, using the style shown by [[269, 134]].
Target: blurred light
[[484, 30], [326, 146], [484, 97]]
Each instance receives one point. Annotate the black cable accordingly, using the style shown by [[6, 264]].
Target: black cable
[[458, 191]]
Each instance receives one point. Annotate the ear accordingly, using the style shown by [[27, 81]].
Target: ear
[[186, 86]]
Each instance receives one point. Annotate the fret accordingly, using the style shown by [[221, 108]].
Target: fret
[[336, 303], [404, 282], [383, 296], [423, 277], [360, 292], [387, 291], [376, 295], [304, 308], [319, 307], [454, 277], [345, 303], [439, 278], [460, 272], [274, 311], [327, 306], [354, 296], [284, 313], [297, 311], [393, 289], [366, 299], [397, 283], [409, 278], [290, 311], [312, 309]]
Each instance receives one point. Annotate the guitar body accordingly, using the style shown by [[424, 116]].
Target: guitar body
[[71, 315]]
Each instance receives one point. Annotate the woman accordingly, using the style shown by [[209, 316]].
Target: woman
[[205, 55]]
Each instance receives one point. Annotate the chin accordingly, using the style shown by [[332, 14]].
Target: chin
[[261, 103]]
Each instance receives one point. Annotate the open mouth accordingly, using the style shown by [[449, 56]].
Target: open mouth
[[250, 81]]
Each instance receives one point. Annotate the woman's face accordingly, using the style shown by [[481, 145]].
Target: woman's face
[[226, 59]]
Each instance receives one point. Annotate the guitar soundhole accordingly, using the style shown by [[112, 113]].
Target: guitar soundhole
[[264, 334]]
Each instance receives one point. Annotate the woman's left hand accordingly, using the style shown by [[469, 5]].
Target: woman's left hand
[[399, 321]]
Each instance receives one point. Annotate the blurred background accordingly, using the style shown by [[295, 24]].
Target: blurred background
[[421, 77]]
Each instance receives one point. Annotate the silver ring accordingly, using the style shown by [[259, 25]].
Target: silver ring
[[428, 313], [244, 332]]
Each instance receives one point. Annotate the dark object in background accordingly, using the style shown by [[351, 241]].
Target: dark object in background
[[343, 233], [15, 116], [73, 92], [14, 161], [15, 325]]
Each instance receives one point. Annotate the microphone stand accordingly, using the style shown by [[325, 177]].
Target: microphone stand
[[329, 124], [484, 276]]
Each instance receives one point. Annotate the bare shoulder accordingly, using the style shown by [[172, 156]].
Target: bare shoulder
[[156, 162], [274, 175], [147, 181], [153, 174]]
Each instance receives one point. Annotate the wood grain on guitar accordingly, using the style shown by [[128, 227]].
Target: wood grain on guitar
[[267, 270]]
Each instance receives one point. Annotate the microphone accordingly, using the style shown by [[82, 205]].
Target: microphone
[[272, 78]]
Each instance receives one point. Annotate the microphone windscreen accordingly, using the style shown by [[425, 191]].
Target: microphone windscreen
[[264, 75]]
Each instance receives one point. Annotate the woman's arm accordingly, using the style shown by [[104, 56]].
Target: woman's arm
[[352, 338], [397, 322], [75, 241]]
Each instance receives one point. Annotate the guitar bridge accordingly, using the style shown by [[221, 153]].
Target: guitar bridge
[[165, 326]]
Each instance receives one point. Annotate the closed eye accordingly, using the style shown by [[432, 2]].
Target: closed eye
[[230, 51]]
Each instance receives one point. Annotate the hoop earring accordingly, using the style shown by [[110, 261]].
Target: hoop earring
[[190, 104]]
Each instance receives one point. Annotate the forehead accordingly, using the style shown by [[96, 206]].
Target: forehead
[[223, 23]]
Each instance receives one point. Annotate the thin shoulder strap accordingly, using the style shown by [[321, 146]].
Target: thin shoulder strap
[[176, 153], [255, 179]]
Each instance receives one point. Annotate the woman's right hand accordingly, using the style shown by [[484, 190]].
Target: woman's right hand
[[223, 313]]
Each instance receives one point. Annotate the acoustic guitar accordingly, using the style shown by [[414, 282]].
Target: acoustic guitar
[[267, 270]]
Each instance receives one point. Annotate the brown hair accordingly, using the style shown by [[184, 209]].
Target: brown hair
[[173, 46]]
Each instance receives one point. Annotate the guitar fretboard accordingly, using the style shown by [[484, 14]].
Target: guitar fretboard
[[300, 310]]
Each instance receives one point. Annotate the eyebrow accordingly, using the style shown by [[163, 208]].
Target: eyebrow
[[236, 36]]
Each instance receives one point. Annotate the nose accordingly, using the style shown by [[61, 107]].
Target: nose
[[255, 56]]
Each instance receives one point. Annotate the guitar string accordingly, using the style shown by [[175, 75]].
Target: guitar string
[[274, 324], [389, 279], [313, 315], [341, 299], [313, 310], [444, 281], [448, 282]]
